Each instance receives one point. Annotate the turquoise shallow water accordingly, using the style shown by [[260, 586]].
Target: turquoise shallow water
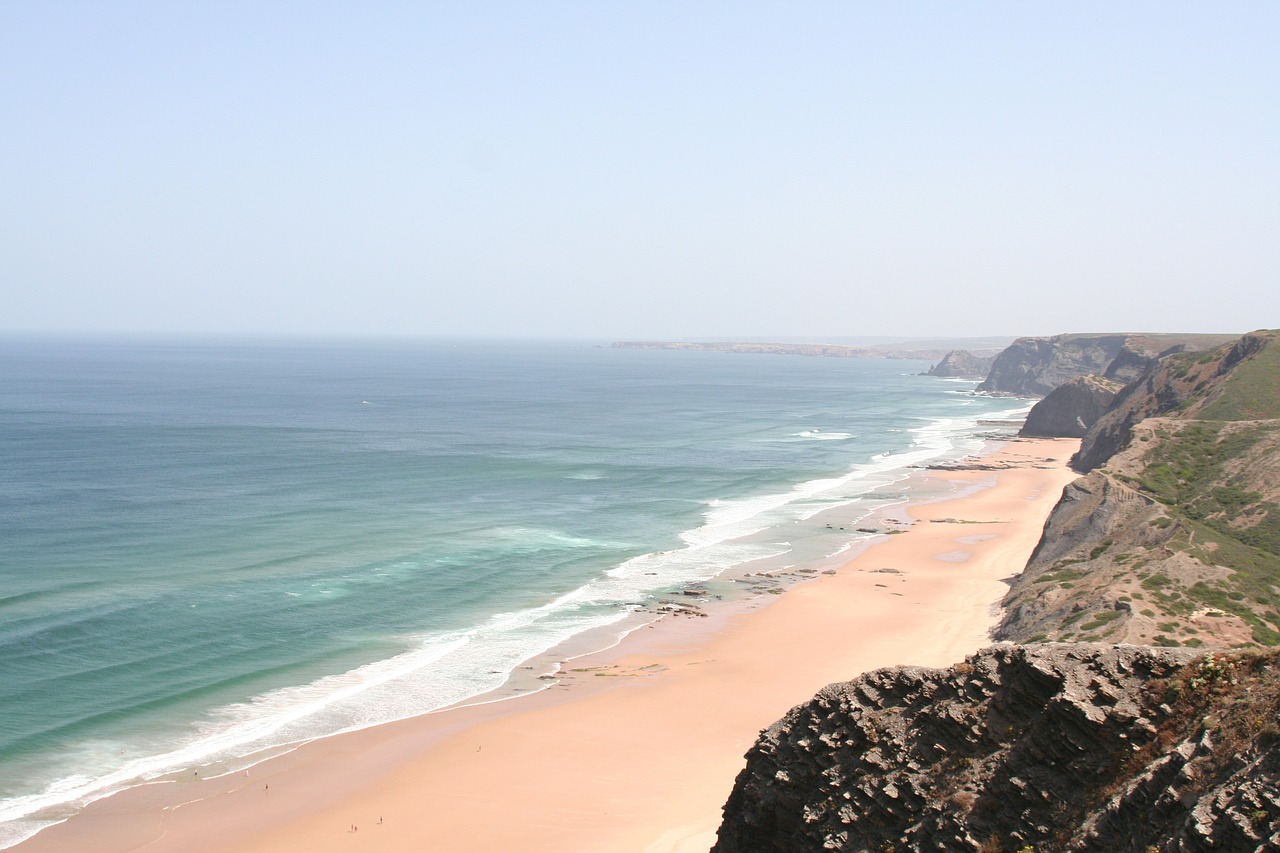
[[211, 549]]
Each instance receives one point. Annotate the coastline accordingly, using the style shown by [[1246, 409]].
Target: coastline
[[637, 746]]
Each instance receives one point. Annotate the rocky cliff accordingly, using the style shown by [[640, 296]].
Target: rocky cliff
[[1069, 410], [1042, 748], [1174, 535], [1032, 367], [962, 364], [1236, 381]]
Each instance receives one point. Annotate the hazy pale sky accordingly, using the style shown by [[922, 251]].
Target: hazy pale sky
[[639, 170]]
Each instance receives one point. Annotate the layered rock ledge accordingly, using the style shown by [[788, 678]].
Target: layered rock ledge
[[1042, 748]]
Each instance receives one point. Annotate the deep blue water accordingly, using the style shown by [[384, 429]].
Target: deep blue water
[[208, 549]]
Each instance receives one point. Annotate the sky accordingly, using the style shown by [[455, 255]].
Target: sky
[[650, 169]]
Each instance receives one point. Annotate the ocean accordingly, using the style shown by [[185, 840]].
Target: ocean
[[213, 549]]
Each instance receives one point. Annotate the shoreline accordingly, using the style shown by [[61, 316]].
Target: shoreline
[[634, 747]]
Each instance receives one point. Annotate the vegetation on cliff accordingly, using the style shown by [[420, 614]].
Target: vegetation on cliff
[[1175, 537]]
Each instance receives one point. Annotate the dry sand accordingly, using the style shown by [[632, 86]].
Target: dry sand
[[637, 750]]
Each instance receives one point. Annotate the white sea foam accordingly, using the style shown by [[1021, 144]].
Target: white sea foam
[[726, 521], [819, 435], [439, 671], [535, 538]]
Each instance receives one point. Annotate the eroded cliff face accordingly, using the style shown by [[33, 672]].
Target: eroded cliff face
[[1047, 747], [1035, 366], [1032, 367], [1113, 566], [1191, 385], [962, 364], [1176, 540], [1069, 410]]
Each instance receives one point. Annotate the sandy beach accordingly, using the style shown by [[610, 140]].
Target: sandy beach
[[636, 748]]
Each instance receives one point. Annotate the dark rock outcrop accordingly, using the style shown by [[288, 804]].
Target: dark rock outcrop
[[1035, 366], [1049, 748], [1129, 365], [1032, 367], [1070, 409], [962, 364]]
